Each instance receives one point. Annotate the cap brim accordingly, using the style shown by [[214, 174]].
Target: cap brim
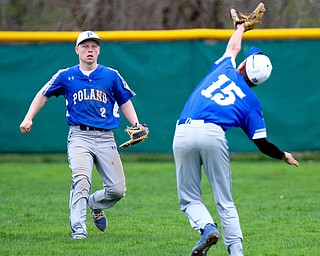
[[254, 50], [92, 39]]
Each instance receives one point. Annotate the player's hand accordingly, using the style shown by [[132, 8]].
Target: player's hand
[[289, 159], [26, 125]]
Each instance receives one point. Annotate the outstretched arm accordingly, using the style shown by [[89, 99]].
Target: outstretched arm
[[38, 102], [273, 151], [235, 41]]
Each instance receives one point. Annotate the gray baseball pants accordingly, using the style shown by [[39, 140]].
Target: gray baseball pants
[[86, 149], [199, 144]]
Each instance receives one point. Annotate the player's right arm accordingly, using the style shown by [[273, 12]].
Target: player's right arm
[[235, 41], [38, 102], [273, 151]]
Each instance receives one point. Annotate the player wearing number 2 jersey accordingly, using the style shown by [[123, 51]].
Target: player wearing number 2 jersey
[[223, 100], [94, 94]]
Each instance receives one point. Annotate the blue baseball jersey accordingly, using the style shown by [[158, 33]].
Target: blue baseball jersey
[[224, 98], [92, 100]]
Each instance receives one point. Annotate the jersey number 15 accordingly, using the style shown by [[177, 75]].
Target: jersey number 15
[[227, 95]]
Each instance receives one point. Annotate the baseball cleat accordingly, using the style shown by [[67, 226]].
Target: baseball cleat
[[210, 236], [79, 237], [99, 219]]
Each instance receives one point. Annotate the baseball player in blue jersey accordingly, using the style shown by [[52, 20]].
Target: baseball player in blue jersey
[[94, 94], [223, 100]]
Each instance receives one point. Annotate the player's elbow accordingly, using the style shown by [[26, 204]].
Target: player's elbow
[[236, 49], [233, 50]]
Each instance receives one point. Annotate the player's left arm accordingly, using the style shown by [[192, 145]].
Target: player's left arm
[[129, 113], [273, 151]]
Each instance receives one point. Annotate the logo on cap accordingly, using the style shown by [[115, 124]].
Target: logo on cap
[[86, 35]]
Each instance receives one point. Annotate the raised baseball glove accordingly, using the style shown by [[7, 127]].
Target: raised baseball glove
[[250, 20], [137, 133]]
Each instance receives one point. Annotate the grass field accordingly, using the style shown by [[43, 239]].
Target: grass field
[[279, 208]]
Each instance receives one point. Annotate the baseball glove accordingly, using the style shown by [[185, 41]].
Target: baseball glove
[[137, 133], [250, 20]]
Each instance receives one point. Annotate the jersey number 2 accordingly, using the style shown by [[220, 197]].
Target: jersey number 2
[[227, 96], [115, 111]]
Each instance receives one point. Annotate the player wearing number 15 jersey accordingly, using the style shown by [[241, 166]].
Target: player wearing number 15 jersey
[[223, 100], [94, 94]]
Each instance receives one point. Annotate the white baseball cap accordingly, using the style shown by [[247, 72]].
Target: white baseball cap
[[258, 68], [86, 35]]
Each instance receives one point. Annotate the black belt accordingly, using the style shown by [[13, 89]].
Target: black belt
[[90, 128]]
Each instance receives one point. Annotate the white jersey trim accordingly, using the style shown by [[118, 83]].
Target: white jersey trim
[[126, 86], [260, 134], [225, 56], [46, 87]]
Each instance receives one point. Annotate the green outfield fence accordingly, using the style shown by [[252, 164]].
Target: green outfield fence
[[162, 67]]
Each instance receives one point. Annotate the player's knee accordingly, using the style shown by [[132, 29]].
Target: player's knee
[[117, 191], [82, 185]]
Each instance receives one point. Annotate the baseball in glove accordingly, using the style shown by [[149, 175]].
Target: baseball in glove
[[250, 20], [137, 133]]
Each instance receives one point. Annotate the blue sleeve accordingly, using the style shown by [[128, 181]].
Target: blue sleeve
[[54, 87], [123, 91], [255, 126]]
